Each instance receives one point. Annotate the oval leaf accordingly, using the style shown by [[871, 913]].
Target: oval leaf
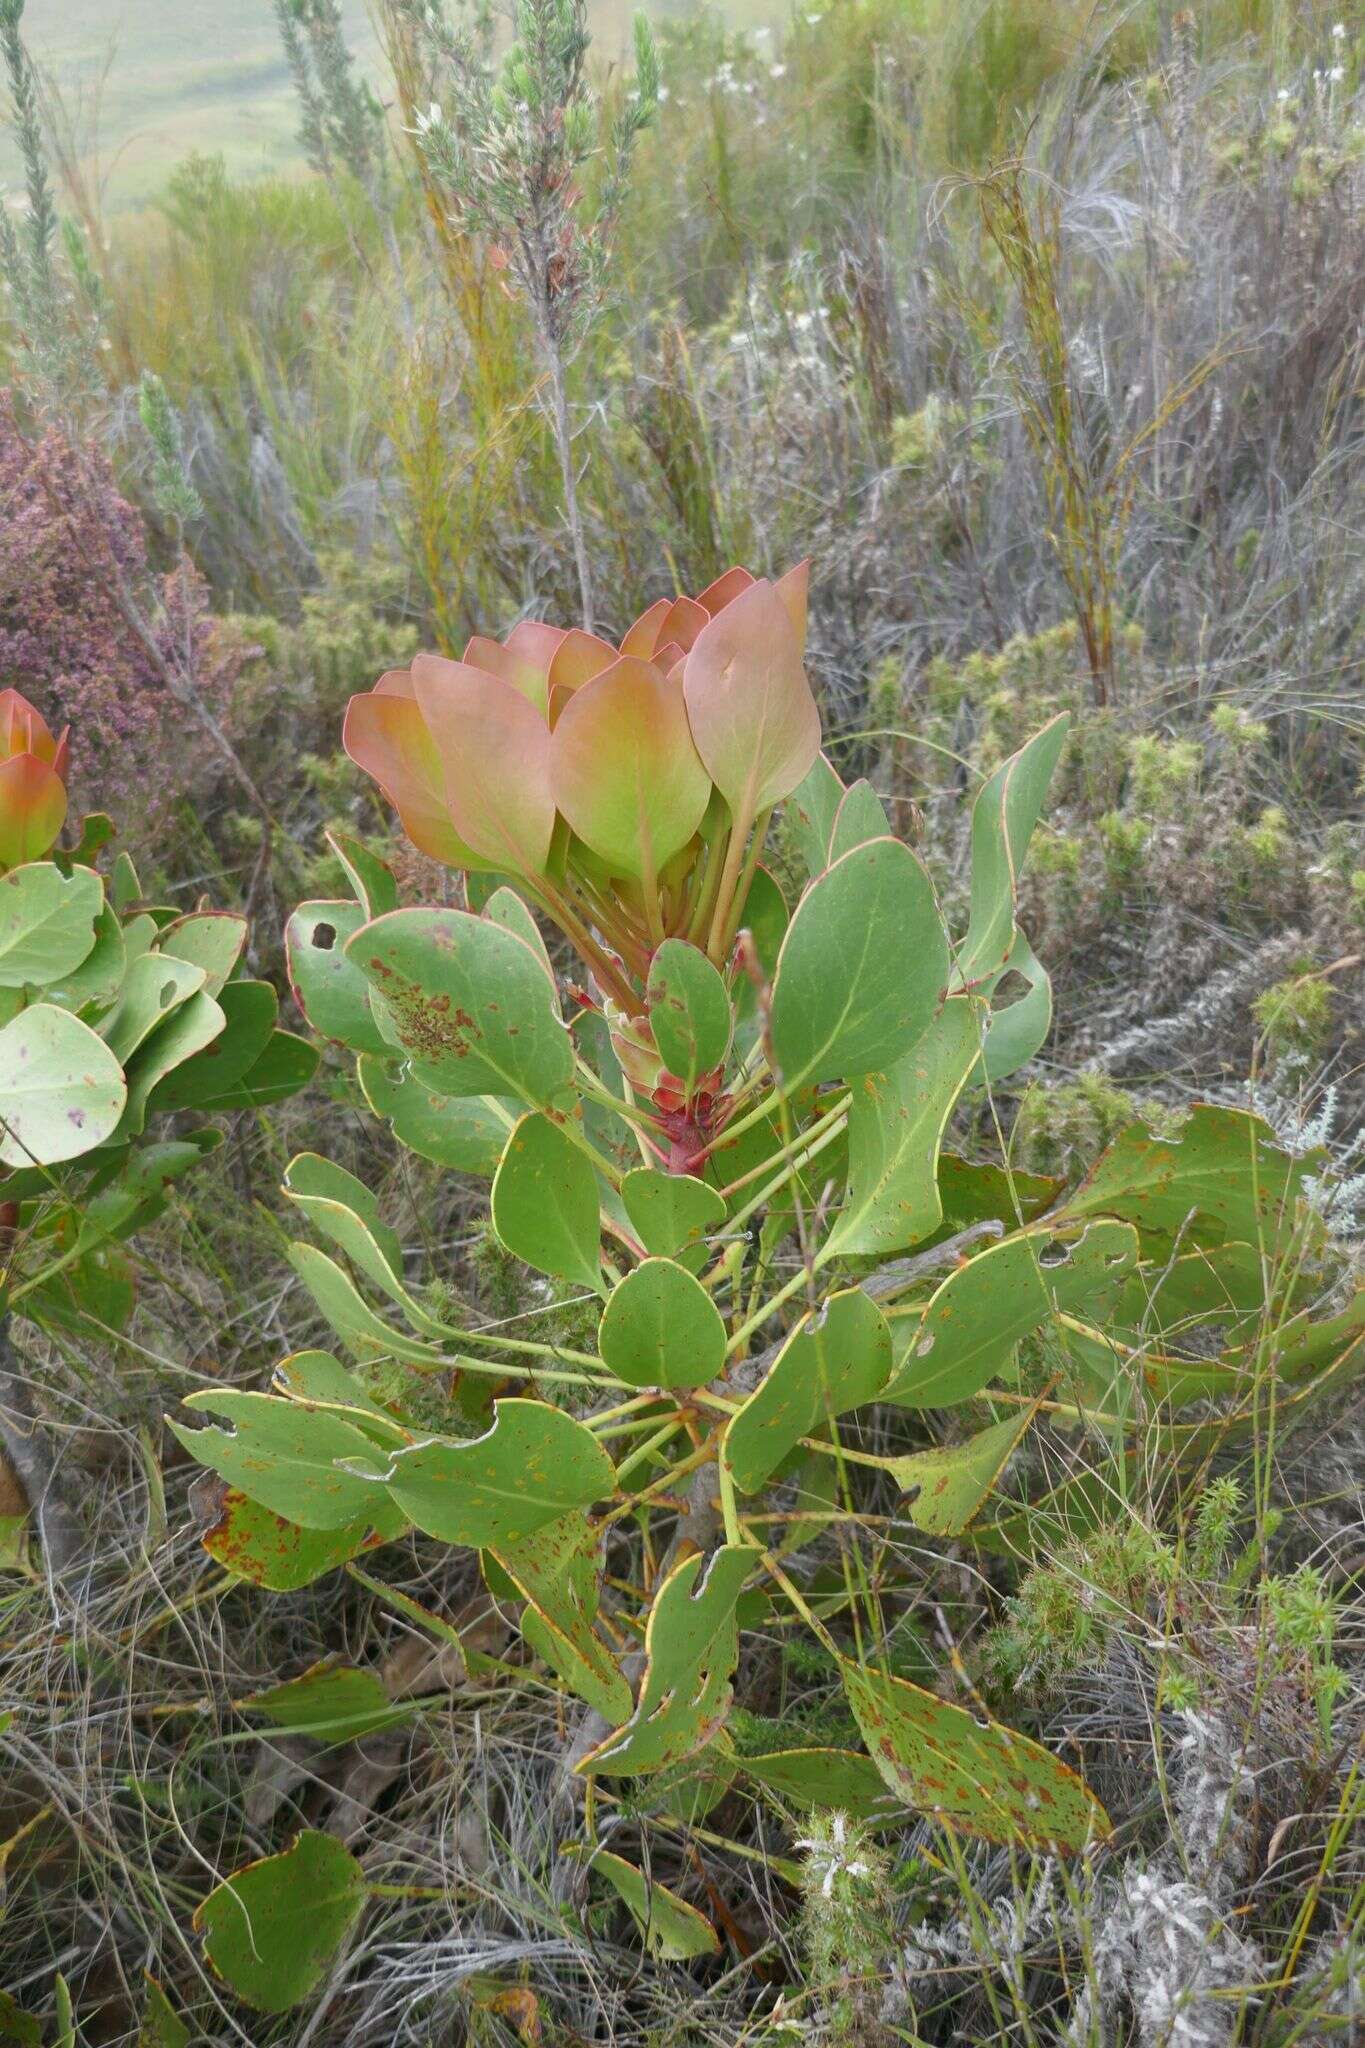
[[662, 1329], [545, 1203], [62, 1091], [862, 968], [626, 774], [979, 1777], [689, 1011], [273, 1929], [534, 1465], [750, 707], [469, 1002], [47, 922]]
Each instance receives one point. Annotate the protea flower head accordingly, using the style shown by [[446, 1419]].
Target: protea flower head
[[33, 771], [619, 785]]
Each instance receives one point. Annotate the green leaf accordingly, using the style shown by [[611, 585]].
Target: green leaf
[[287, 1065], [1017, 1030], [972, 1193], [1221, 1177], [211, 939], [670, 1211], [273, 1930], [534, 1465], [153, 988], [506, 908], [839, 1778], [99, 977], [130, 1192], [363, 1332], [285, 1455], [862, 968], [249, 1010], [187, 1030], [47, 922], [62, 1091], [269, 1551], [689, 1012], [342, 1207], [1003, 817], [469, 1002], [975, 1776], [945, 1489], [661, 1328], [832, 1361], [370, 877], [860, 817], [810, 812], [691, 1649], [328, 987], [674, 1932], [161, 2026], [557, 1571], [331, 1703], [465, 1132], [972, 1323], [17, 2025], [545, 1203], [896, 1122]]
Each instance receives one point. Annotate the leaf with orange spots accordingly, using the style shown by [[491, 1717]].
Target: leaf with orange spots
[[976, 1776], [534, 1465]]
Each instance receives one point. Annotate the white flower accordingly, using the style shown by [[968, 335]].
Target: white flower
[[831, 1854], [1338, 31], [1337, 73], [777, 71], [663, 94], [812, 19], [1283, 95]]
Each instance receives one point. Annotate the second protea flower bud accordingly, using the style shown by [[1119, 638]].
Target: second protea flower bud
[[33, 771]]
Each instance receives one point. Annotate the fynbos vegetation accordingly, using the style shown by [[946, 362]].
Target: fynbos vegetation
[[681, 1312]]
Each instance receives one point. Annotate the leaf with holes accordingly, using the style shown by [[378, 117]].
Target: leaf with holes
[[62, 1092], [662, 1329], [153, 988], [534, 1465], [469, 1002], [691, 1649], [211, 939], [557, 1571], [1220, 1177], [972, 1323], [285, 1455], [273, 1930], [545, 1203], [945, 1489], [465, 1132], [689, 1012], [1017, 1029], [249, 1011], [862, 968], [670, 1211], [674, 1932], [975, 1776], [896, 1121], [47, 922], [329, 987], [833, 1361]]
